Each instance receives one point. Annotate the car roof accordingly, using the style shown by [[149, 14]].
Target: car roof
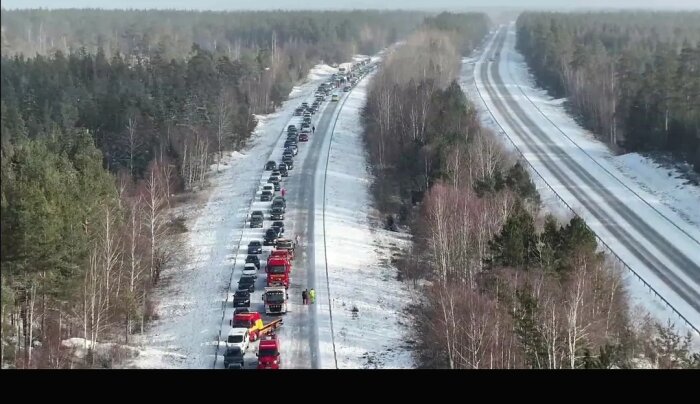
[[268, 343], [237, 331], [254, 242]]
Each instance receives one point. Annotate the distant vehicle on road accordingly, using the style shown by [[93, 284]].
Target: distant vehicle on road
[[254, 259], [256, 219], [335, 98], [255, 247], [247, 282], [241, 298], [234, 358], [279, 225], [270, 165]]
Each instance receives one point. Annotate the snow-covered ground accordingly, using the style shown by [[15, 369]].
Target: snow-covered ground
[[192, 298], [366, 300], [663, 201]]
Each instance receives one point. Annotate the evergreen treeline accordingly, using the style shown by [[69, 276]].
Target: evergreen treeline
[[633, 77], [333, 36], [117, 112]]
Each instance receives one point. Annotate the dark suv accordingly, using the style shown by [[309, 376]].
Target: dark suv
[[289, 162], [279, 201], [234, 357], [270, 237], [256, 222], [256, 219], [246, 283], [241, 298], [255, 247], [277, 213], [280, 226], [270, 166], [265, 196], [283, 170]]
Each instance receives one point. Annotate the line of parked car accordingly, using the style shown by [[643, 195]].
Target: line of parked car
[[247, 325]]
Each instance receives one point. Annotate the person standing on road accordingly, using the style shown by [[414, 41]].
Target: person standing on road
[[284, 191], [312, 295], [313, 129], [304, 296]]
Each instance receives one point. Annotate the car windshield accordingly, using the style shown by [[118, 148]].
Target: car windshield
[[242, 294], [235, 339], [267, 352], [274, 297], [254, 244], [277, 269], [246, 279]]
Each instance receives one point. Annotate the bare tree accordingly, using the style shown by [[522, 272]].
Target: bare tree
[[154, 201], [223, 122]]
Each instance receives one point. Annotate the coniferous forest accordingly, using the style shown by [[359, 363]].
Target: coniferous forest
[[632, 77]]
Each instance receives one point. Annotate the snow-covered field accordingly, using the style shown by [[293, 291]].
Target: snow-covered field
[[366, 300], [655, 194]]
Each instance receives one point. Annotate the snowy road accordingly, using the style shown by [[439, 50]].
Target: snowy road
[[195, 300], [653, 240], [306, 331]]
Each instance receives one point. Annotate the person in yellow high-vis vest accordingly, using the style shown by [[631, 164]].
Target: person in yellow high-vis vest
[[312, 295]]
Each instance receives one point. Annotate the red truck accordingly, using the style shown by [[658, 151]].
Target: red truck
[[253, 322], [278, 270], [269, 352]]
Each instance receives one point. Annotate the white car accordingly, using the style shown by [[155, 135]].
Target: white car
[[269, 187], [250, 269], [238, 337]]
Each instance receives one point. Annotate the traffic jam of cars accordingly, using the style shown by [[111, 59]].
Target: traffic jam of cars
[[247, 324]]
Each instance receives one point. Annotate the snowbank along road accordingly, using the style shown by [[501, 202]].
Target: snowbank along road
[[308, 327], [651, 239]]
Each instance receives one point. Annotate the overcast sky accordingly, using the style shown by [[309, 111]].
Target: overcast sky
[[349, 4]]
